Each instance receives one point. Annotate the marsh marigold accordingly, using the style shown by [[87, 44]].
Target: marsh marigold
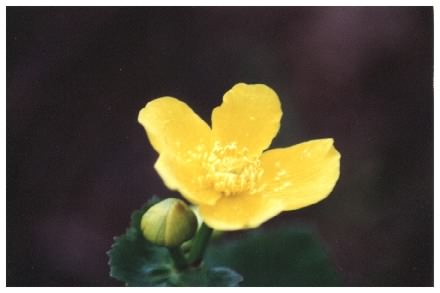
[[225, 170]]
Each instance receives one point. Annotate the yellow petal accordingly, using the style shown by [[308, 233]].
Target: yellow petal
[[301, 175], [249, 116], [173, 127], [240, 211], [184, 176]]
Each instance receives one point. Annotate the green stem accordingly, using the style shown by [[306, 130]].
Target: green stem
[[200, 243], [178, 258]]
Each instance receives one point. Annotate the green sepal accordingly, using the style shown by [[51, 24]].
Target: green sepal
[[137, 262], [169, 223]]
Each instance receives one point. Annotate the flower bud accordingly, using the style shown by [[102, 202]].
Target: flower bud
[[169, 223]]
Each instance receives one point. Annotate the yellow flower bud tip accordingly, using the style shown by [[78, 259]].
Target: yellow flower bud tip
[[169, 223]]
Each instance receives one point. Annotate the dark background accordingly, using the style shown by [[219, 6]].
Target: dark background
[[78, 163]]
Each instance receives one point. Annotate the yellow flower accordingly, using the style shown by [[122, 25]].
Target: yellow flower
[[225, 169]]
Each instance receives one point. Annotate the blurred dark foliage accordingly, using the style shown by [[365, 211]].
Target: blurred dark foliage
[[78, 163], [276, 257]]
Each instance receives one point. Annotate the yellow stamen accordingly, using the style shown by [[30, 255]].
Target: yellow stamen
[[230, 169]]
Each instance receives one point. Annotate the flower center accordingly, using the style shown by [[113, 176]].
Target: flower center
[[231, 170]]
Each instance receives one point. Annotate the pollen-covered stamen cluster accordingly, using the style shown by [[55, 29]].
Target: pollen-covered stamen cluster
[[230, 169]]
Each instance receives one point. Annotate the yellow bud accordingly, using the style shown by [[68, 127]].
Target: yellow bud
[[169, 223]]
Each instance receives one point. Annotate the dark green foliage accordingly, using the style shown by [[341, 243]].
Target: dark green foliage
[[137, 262], [284, 257]]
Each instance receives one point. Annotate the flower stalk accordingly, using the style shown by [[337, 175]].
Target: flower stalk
[[178, 257], [200, 243]]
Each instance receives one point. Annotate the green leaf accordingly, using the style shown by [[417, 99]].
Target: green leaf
[[283, 257], [213, 277], [137, 262], [223, 277], [134, 260]]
